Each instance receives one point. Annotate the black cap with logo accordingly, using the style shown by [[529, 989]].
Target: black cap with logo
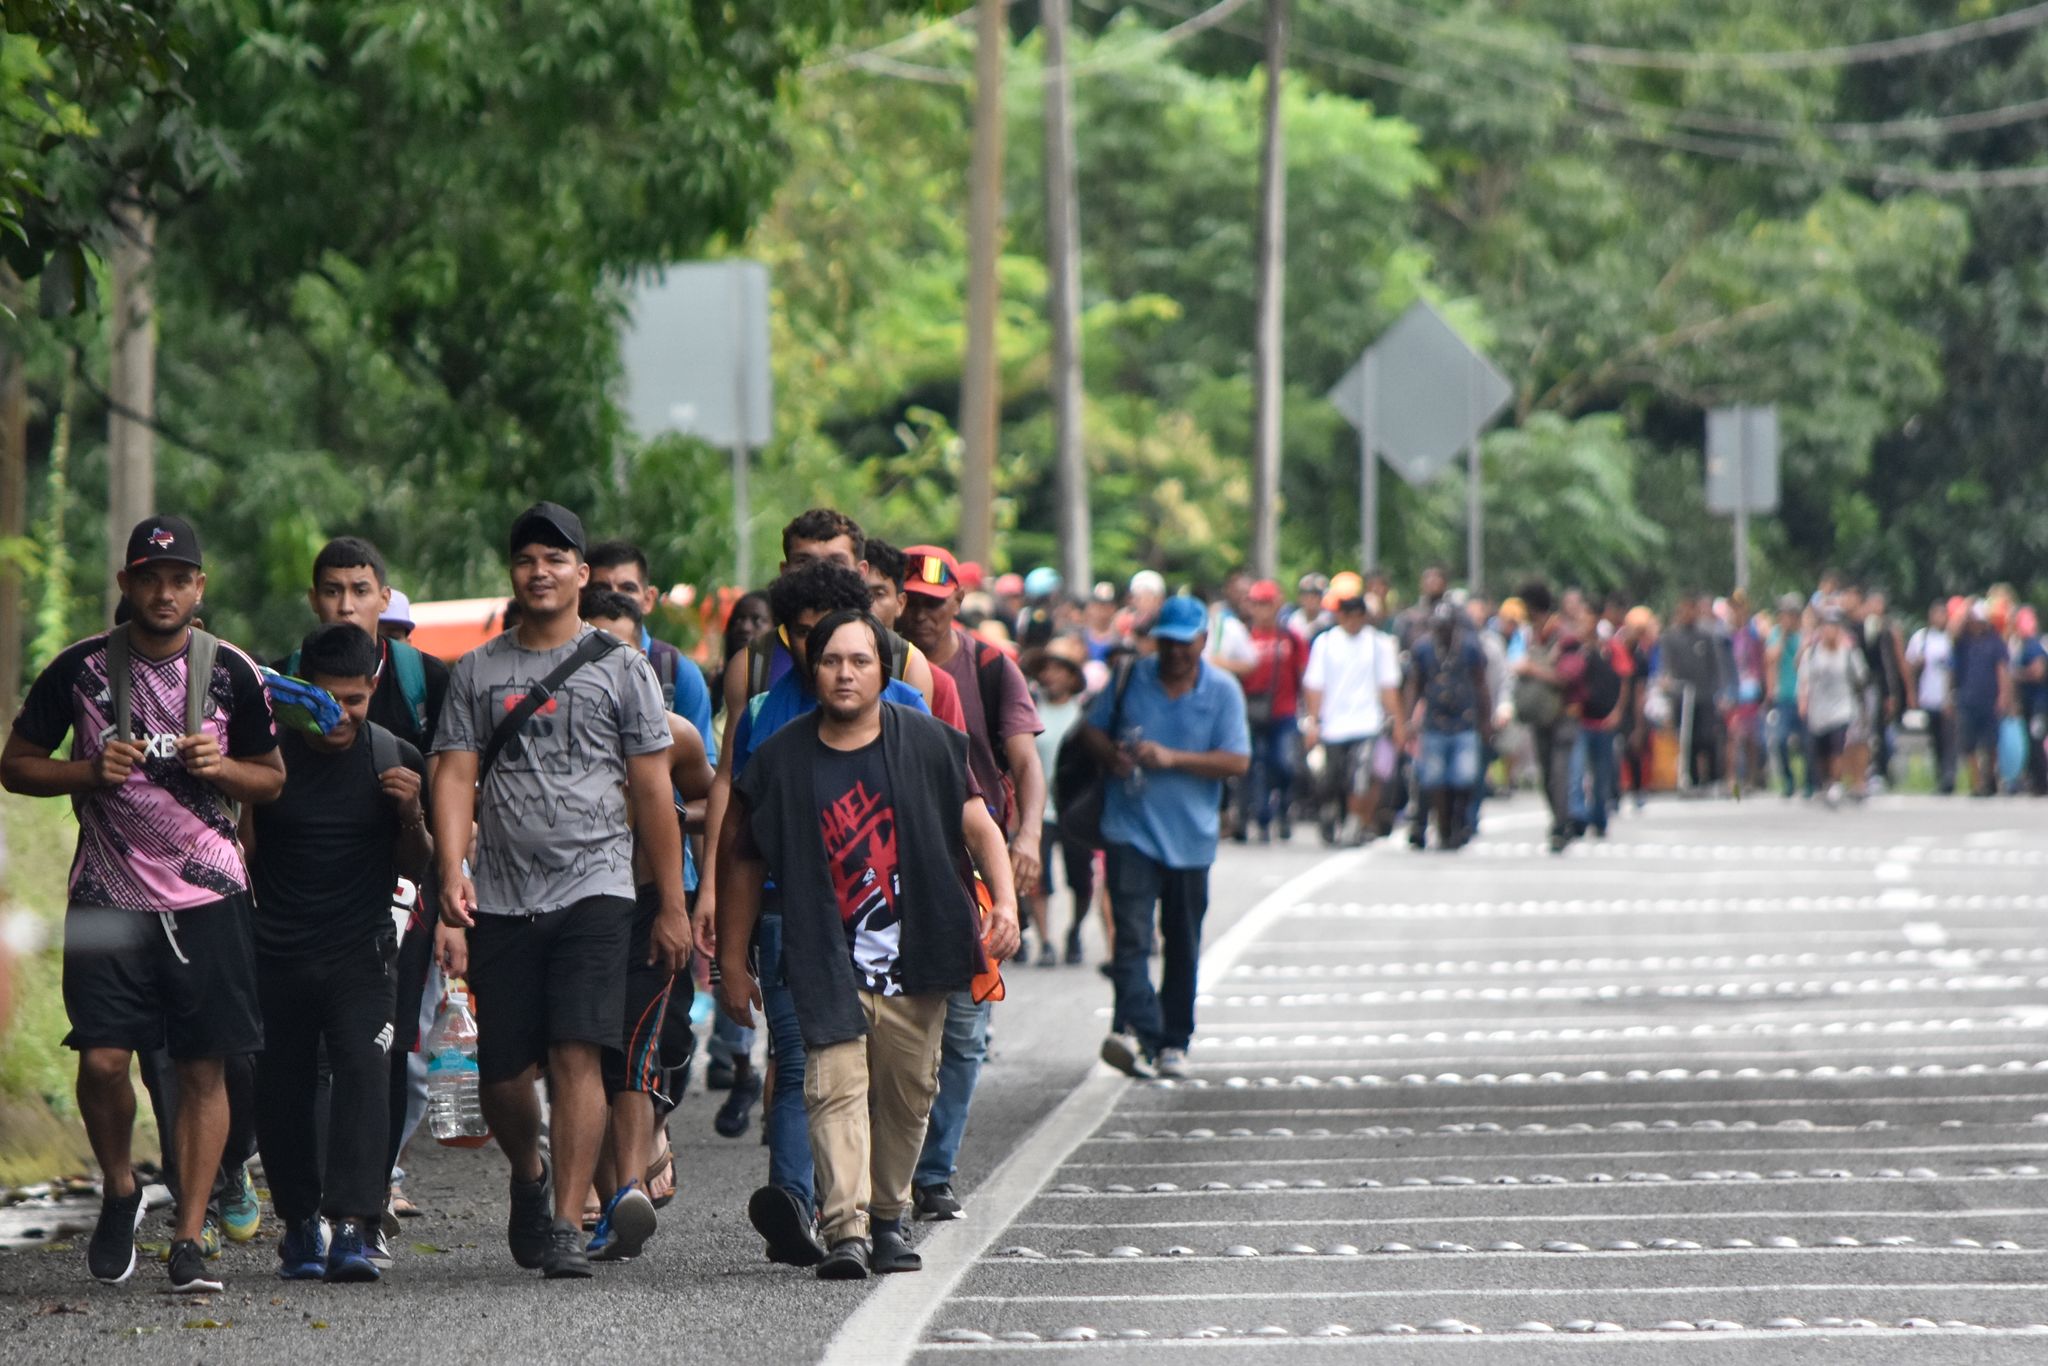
[[547, 524], [162, 538]]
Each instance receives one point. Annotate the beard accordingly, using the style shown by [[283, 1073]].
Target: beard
[[141, 625]]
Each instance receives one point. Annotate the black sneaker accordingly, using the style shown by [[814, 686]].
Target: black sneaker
[[530, 1228], [718, 1076], [737, 1113], [188, 1270], [891, 1253], [1073, 957], [779, 1217], [565, 1259], [847, 1261], [936, 1202], [111, 1254]]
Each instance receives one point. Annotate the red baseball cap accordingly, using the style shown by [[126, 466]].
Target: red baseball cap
[[1265, 590], [931, 571]]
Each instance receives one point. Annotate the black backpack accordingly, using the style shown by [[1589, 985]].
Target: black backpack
[[1603, 684], [1078, 782]]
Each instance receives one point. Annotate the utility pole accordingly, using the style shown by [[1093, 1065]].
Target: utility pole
[[13, 497], [131, 379], [1063, 302], [980, 385], [1267, 394]]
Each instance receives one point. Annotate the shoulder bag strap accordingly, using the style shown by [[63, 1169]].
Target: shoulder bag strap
[[199, 656], [412, 680], [594, 646], [121, 683], [384, 751]]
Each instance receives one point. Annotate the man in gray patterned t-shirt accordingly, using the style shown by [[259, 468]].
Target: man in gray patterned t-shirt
[[541, 917]]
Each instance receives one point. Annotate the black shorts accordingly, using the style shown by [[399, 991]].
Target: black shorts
[[1829, 744], [143, 980], [637, 1066], [547, 979]]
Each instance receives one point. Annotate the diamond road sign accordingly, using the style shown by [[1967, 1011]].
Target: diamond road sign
[[1422, 393]]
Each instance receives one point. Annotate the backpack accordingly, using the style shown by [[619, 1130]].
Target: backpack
[[988, 682], [203, 649], [1079, 784], [1445, 691], [410, 670], [1603, 685]]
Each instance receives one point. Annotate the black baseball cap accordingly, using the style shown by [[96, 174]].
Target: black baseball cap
[[547, 524], [162, 538]]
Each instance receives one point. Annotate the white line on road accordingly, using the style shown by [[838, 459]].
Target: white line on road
[[1513, 1292], [1099, 1226]]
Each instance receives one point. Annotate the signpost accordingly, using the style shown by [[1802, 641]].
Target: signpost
[[1419, 396], [695, 351], [1742, 471]]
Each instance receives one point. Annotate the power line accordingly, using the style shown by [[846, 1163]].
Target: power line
[[881, 52], [874, 62], [1846, 54], [1752, 153]]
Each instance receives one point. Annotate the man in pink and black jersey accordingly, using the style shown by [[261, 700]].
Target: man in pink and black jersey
[[157, 948]]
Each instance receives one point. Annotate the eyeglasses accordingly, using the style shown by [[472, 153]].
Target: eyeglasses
[[930, 569]]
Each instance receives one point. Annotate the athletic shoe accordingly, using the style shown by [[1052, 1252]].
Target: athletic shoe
[[377, 1248], [530, 1228], [936, 1203], [348, 1260], [628, 1223], [847, 1261], [1172, 1063], [188, 1269], [737, 1113], [780, 1218], [241, 1213], [565, 1259], [387, 1222], [1127, 1055], [111, 1254], [302, 1250], [891, 1254], [1048, 956], [1074, 948], [718, 1076]]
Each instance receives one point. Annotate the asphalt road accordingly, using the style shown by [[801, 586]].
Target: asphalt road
[[1751, 1084]]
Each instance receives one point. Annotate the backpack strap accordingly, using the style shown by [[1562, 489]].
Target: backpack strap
[[200, 654], [291, 664], [988, 680], [384, 751], [411, 669], [899, 654], [121, 682], [760, 656]]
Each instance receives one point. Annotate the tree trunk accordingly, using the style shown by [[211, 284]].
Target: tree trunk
[[131, 383], [13, 503], [1063, 303], [979, 382]]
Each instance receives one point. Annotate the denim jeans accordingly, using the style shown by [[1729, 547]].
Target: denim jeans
[[789, 1125], [1140, 891], [1595, 778], [962, 1049], [1788, 737], [729, 1042], [1269, 785]]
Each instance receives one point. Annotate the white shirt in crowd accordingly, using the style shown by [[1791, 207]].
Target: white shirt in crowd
[[1933, 654], [1230, 641], [1350, 671]]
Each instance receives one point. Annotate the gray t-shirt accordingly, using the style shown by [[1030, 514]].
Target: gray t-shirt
[[1832, 678], [551, 814]]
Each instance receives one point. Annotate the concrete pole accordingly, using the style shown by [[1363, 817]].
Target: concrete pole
[[1269, 368], [131, 383]]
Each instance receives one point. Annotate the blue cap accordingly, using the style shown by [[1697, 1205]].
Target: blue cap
[[1180, 618], [1042, 582]]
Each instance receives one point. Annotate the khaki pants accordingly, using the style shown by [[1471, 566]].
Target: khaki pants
[[868, 1100]]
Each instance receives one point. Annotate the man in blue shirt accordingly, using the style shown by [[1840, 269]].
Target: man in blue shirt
[[1171, 735], [784, 1212]]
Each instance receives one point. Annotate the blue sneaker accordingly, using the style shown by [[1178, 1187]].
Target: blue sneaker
[[302, 1251], [347, 1259], [627, 1225]]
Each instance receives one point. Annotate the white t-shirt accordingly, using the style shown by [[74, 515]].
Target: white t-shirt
[[1230, 641], [1350, 672], [1058, 718], [1933, 654]]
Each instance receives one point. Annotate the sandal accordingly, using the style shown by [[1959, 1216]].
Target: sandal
[[402, 1207], [661, 1178], [593, 1212]]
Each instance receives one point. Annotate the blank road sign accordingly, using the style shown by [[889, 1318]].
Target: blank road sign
[[695, 350], [1431, 394], [1742, 459]]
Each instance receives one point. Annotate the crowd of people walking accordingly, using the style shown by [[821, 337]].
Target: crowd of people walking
[[842, 833]]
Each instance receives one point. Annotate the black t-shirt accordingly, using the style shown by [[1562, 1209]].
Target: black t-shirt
[[858, 823], [326, 858], [389, 706]]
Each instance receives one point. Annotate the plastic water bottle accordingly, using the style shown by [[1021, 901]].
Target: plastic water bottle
[[454, 1108]]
